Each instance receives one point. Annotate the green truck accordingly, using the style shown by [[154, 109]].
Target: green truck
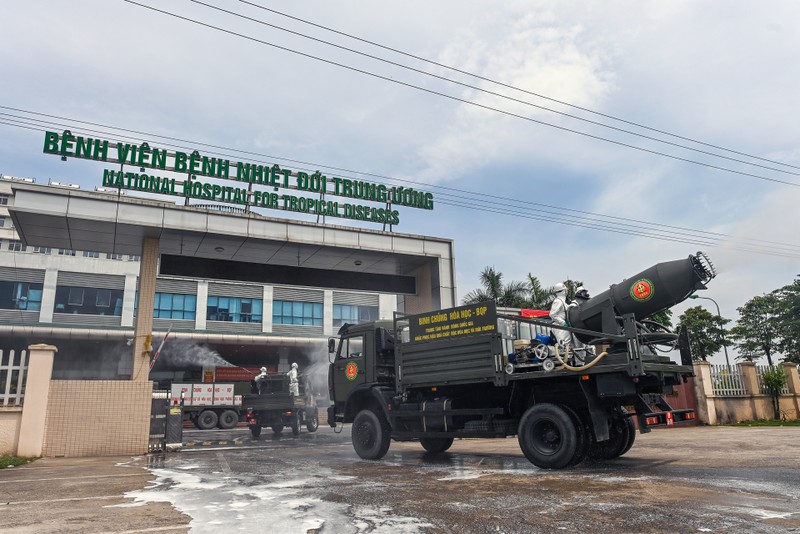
[[471, 372], [271, 405]]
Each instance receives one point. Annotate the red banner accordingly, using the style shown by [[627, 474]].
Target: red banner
[[534, 313]]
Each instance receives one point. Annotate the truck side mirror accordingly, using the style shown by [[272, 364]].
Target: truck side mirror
[[331, 345]]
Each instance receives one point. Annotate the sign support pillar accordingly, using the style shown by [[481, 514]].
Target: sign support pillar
[[143, 330]]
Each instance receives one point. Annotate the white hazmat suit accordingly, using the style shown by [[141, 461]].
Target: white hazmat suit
[[294, 383], [558, 313]]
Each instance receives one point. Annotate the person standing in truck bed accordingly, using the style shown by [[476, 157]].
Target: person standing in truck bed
[[294, 384]]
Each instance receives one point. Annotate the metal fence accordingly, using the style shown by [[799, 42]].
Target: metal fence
[[727, 381], [763, 387], [13, 366], [158, 420]]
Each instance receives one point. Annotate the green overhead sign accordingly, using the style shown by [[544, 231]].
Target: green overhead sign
[[261, 186]]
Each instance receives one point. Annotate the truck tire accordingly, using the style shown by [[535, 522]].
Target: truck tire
[[277, 428], [207, 420], [584, 436], [547, 436], [312, 422], [618, 435], [371, 435], [228, 419], [255, 431], [295, 424], [632, 436], [436, 445]]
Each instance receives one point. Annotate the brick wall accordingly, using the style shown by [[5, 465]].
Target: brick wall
[[97, 417]]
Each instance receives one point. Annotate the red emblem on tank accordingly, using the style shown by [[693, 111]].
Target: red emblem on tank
[[642, 290]]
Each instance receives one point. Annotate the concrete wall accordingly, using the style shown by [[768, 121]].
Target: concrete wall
[[715, 409], [9, 429]]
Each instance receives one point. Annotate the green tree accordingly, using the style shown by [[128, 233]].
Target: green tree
[[789, 321], [706, 332], [539, 297], [572, 286], [663, 317], [774, 379], [512, 295], [757, 332]]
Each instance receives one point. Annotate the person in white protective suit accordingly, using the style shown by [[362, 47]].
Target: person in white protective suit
[[294, 383], [263, 374], [558, 314], [259, 379], [581, 349]]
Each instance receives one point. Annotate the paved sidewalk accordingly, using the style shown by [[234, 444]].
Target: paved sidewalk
[[82, 495]]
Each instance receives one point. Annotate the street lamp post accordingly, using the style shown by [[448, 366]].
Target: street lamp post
[[724, 346]]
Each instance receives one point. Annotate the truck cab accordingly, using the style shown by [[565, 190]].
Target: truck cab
[[362, 358]]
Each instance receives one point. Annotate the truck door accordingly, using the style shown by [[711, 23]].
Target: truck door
[[349, 366]]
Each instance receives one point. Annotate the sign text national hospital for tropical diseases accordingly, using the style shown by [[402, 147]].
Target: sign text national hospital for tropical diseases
[[194, 165]]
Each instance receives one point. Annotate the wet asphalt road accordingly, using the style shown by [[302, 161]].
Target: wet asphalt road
[[704, 479]]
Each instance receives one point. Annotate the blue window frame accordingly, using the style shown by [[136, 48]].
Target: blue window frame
[[174, 306], [20, 296], [349, 313], [235, 309], [302, 313], [88, 300]]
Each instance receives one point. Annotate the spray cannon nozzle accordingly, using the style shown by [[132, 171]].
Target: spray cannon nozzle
[[703, 266]]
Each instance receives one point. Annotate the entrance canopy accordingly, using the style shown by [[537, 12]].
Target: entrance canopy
[[204, 242]]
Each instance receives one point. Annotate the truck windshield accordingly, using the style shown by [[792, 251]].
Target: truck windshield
[[351, 347]]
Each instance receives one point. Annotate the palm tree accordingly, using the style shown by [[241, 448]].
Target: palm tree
[[512, 295], [539, 298]]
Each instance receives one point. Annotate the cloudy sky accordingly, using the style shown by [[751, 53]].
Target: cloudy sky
[[524, 172]]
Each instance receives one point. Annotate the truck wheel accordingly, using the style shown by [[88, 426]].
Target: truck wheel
[[584, 436], [255, 431], [295, 424], [207, 420], [228, 419], [631, 437], [312, 423], [436, 445], [277, 428], [618, 436], [547, 436], [371, 435]]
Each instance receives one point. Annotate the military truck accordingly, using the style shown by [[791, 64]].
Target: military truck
[[471, 372], [271, 405]]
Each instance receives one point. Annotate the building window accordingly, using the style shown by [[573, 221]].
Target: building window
[[304, 313], [174, 306], [4, 200], [66, 252], [90, 254], [113, 256], [134, 258], [41, 250], [347, 313], [88, 300], [16, 246], [234, 309], [2, 222], [20, 296]]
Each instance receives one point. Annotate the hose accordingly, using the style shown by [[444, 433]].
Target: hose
[[565, 365]]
